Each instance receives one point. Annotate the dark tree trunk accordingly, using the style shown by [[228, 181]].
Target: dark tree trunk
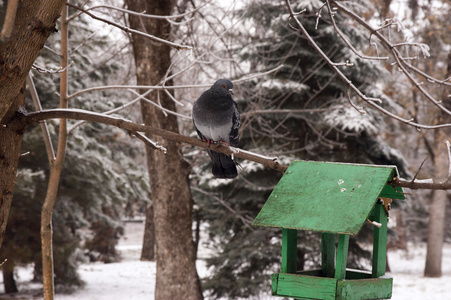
[[35, 21], [176, 269], [10, 143], [8, 278], [148, 250]]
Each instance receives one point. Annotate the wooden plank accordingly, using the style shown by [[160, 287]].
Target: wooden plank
[[289, 250], [379, 241], [325, 197], [274, 281], [377, 288], [328, 254], [308, 287], [342, 256]]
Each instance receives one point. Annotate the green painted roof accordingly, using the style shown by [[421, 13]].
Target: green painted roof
[[326, 197]]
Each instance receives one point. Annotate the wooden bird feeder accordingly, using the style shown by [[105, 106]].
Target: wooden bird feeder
[[334, 199]]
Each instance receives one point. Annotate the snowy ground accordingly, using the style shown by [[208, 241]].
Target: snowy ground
[[133, 279]]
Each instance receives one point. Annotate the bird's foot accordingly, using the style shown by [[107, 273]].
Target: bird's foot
[[224, 143], [208, 141]]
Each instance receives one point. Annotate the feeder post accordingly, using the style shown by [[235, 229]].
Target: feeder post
[[379, 241], [342, 256], [289, 250], [328, 254]]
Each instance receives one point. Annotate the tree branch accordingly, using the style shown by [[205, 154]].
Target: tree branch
[[24, 119], [351, 86], [129, 30], [10, 17]]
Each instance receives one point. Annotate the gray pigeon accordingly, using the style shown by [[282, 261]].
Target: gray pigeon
[[216, 119]]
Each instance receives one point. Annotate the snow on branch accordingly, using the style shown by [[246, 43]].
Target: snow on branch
[[401, 62]]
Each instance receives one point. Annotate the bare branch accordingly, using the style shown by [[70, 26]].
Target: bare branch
[[143, 97], [401, 62], [370, 101], [149, 142], [247, 221], [50, 71], [418, 171], [143, 14], [172, 87], [10, 17], [129, 30], [44, 128], [344, 38], [22, 120], [448, 147]]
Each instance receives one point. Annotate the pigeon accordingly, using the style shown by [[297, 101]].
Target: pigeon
[[217, 119]]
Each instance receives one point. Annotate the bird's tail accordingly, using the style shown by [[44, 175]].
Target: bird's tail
[[223, 166]]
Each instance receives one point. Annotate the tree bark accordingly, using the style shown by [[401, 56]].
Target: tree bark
[[10, 143], [436, 229], [34, 22], [56, 167], [148, 250], [176, 269], [437, 208], [9, 282]]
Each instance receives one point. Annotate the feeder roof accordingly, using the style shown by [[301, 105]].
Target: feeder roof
[[327, 197]]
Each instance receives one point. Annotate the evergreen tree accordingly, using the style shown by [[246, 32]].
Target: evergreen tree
[[101, 173], [329, 129]]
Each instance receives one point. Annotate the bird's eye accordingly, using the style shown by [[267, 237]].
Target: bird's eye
[[223, 86]]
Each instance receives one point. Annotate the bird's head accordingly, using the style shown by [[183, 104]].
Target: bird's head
[[224, 85]]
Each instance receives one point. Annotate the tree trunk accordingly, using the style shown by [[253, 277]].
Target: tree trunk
[[436, 227], [34, 22], [9, 282], [56, 167], [437, 208], [176, 269], [148, 250]]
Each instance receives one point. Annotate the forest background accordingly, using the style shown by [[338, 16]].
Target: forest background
[[294, 106]]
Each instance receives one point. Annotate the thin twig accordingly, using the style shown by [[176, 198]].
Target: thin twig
[[418, 171], [246, 220], [344, 38], [149, 142], [142, 14], [172, 87], [129, 30], [370, 101], [44, 128], [448, 147], [50, 71]]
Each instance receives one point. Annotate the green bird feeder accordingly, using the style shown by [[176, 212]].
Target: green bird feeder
[[335, 199]]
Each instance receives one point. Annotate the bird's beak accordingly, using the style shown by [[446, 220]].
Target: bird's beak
[[231, 91]]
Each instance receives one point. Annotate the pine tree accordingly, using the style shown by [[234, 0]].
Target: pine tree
[[329, 129]]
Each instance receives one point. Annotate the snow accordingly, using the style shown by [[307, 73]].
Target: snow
[[134, 279]]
